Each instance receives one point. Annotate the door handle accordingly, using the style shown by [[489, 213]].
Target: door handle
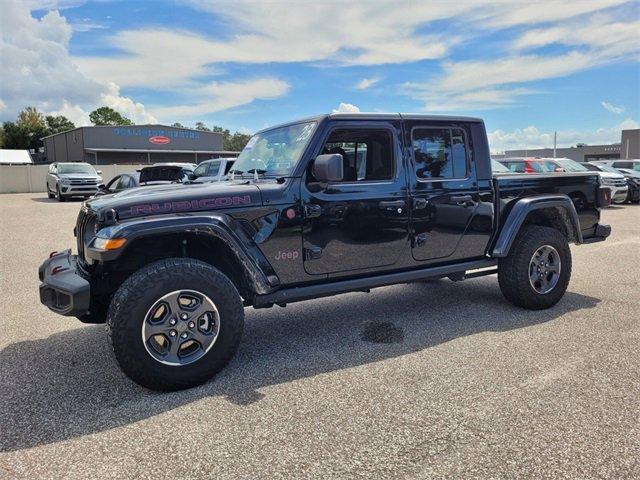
[[462, 200], [392, 205]]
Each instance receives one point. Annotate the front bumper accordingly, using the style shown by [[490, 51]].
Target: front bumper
[[63, 290], [619, 194], [78, 190]]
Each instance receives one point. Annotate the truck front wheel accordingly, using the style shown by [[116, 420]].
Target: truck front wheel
[[536, 272], [175, 323]]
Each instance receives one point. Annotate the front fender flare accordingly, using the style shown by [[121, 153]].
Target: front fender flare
[[257, 268], [523, 207]]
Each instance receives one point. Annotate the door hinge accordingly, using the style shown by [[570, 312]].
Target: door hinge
[[312, 253], [312, 210], [419, 240]]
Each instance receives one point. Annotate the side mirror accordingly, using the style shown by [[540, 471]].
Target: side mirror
[[191, 176], [102, 186], [328, 168], [99, 172]]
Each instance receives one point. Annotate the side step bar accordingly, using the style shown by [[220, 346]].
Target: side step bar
[[298, 294]]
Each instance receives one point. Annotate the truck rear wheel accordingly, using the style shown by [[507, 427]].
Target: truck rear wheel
[[175, 323], [536, 272]]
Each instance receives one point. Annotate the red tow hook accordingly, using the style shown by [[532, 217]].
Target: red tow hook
[[58, 269], [55, 252]]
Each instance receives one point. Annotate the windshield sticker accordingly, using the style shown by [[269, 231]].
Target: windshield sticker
[[306, 131]]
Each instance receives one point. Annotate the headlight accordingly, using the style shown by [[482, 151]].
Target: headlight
[[65, 181], [108, 243], [607, 181]]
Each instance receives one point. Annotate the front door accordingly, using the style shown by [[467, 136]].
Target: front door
[[361, 222], [444, 189]]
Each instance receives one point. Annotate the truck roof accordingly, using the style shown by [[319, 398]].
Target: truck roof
[[378, 116]]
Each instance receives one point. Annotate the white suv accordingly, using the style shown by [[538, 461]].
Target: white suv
[[613, 180]]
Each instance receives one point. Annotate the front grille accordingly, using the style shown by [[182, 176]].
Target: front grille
[[85, 229], [82, 181]]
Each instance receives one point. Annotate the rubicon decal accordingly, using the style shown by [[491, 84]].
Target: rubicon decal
[[186, 205], [159, 140]]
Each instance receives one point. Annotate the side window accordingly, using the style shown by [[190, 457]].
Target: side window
[[214, 168], [439, 152], [367, 154], [123, 183], [201, 170]]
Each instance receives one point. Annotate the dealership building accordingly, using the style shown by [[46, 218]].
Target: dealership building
[[133, 144], [629, 147]]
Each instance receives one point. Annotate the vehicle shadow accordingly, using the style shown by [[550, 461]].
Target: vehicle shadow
[[45, 199], [68, 385]]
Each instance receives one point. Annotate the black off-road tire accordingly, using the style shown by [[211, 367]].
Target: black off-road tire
[[513, 270], [135, 297], [59, 195]]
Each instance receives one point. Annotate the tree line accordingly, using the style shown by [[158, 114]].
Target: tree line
[[31, 126]]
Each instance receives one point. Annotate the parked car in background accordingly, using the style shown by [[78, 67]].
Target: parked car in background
[[609, 178], [213, 170], [157, 174], [528, 165], [633, 181], [630, 164], [72, 179]]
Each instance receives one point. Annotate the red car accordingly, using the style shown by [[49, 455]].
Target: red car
[[530, 165]]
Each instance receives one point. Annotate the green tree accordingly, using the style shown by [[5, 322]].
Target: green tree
[[1, 137], [16, 136], [236, 142], [108, 116], [232, 142], [27, 132], [58, 124], [202, 127], [177, 125], [31, 119]]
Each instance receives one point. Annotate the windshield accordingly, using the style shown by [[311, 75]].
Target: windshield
[[496, 166], [76, 168], [571, 165], [274, 152]]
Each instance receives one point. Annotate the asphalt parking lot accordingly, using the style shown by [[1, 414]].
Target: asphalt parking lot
[[428, 380]]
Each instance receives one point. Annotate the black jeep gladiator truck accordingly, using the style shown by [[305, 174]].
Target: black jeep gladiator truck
[[322, 206]]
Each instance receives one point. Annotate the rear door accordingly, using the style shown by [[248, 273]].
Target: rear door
[[443, 187], [361, 222]]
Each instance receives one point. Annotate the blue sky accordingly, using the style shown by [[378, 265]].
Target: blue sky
[[526, 68]]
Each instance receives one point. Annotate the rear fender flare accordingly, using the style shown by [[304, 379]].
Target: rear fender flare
[[523, 208]]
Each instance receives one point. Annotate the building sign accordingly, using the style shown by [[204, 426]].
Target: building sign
[[159, 139], [156, 133]]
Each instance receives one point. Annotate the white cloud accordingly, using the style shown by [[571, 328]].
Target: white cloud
[[498, 82], [367, 83], [531, 137], [346, 108], [612, 108], [37, 70], [218, 96]]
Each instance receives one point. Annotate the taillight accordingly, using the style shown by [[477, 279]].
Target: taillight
[[604, 197]]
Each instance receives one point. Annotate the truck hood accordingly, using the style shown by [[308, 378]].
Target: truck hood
[[177, 198], [615, 176]]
